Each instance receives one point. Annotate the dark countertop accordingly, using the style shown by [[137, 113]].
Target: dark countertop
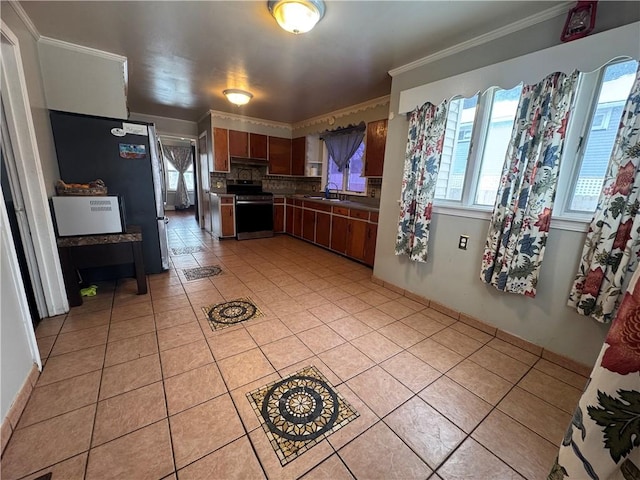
[[133, 234], [340, 203]]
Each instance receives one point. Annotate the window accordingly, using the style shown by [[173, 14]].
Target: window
[[486, 121], [172, 178], [350, 180], [606, 92]]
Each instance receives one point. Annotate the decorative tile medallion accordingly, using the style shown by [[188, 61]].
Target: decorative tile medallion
[[186, 250], [299, 411], [201, 272], [222, 315]]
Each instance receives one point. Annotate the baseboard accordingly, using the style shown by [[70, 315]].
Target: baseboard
[[503, 335], [10, 422]]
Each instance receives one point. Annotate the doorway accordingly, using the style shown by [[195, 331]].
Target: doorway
[[14, 207]]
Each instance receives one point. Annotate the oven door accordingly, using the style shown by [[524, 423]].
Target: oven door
[[254, 218]]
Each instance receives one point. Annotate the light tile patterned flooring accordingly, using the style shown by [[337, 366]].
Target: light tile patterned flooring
[[139, 387]]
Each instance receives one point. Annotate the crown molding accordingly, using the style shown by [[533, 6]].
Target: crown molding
[[82, 49], [25, 19], [343, 112], [540, 17], [242, 118]]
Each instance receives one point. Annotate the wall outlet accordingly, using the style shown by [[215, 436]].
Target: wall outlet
[[462, 242]]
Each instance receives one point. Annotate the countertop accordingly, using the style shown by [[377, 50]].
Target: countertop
[[133, 234], [340, 203]]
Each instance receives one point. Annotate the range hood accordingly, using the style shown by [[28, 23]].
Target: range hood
[[257, 162]]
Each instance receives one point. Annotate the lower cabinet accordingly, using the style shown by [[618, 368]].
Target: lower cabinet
[[350, 232], [223, 215], [278, 215]]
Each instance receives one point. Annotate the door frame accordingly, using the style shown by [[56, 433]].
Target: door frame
[[203, 181], [28, 167]]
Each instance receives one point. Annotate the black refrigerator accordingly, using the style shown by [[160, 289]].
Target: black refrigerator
[[124, 154]]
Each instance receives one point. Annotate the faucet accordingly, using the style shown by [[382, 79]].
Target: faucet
[[327, 191]]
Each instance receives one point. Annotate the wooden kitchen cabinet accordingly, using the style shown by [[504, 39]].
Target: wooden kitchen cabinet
[[289, 217], [228, 217], [356, 236], [220, 150], [238, 144], [278, 215], [297, 220], [309, 225], [258, 146], [298, 155], [339, 226], [279, 156], [370, 244], [374, 150], [323, 229]]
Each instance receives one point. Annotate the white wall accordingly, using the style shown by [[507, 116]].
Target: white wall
[[16, 333], [451, 276], [168, 126], [39, 111]]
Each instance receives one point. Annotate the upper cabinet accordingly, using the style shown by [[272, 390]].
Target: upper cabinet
[[238, 144], [374, 150], [298, 155], [279, 156], [258, 146], [220, 150]]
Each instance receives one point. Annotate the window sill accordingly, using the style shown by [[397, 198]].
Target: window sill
[[560, 223]]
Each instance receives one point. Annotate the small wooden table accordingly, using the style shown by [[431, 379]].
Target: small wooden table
[[89, 251]]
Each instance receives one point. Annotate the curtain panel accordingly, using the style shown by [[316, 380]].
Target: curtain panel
[[520, 221], [612, 247], [422, 161], [180, 158], [343, 143], [602, 441]]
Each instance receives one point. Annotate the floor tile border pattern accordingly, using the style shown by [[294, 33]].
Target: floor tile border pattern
[[343, 407], [366, 429]]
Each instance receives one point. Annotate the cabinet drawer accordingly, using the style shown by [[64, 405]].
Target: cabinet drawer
[[297, 203], [341, 211], [361, 214], [319, 206], [374, 217], [278, 200], [226, 200]]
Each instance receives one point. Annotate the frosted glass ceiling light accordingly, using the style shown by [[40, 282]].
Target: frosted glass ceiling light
[[239, 97], [297, 16]]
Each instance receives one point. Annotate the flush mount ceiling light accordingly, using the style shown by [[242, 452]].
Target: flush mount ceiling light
[[297, 16], [238, 97]]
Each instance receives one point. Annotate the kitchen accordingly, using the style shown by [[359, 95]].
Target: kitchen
[[385, 265]]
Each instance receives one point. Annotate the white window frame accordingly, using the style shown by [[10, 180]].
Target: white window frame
[[166, 174], [345, 176]]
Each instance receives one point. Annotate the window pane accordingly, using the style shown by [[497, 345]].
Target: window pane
[[334, 176], [356, 182], [503, 113], [614, 90], [172, 178], [455, 149]]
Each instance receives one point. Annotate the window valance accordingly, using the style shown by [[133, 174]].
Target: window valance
[[586, 55]]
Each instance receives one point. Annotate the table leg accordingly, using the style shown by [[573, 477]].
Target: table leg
[[70, 278], [139, 268]]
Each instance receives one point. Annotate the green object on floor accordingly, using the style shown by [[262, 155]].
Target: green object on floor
[[90, 291]]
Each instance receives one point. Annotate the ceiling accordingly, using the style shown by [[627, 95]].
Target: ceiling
[[181, 55]]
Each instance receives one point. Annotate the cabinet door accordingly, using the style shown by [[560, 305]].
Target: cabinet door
[[278, 217], [238, 144], [323, 229], [370, 244], [309, 225], [279, 156], [298, 155], [356, 234], [228, 220], [339, 227], [258, 146], [220, 150], [374, 153], [297, 221], [289, 216]]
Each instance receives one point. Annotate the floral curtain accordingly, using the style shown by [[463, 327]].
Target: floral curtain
[[612, 247], [422, 161], [343, 143], [603, 439], [180, 158], [520, 221]]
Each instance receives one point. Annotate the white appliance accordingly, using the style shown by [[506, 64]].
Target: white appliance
[[88, 215]]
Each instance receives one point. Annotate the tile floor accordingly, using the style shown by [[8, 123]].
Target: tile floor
[[138, 387]]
